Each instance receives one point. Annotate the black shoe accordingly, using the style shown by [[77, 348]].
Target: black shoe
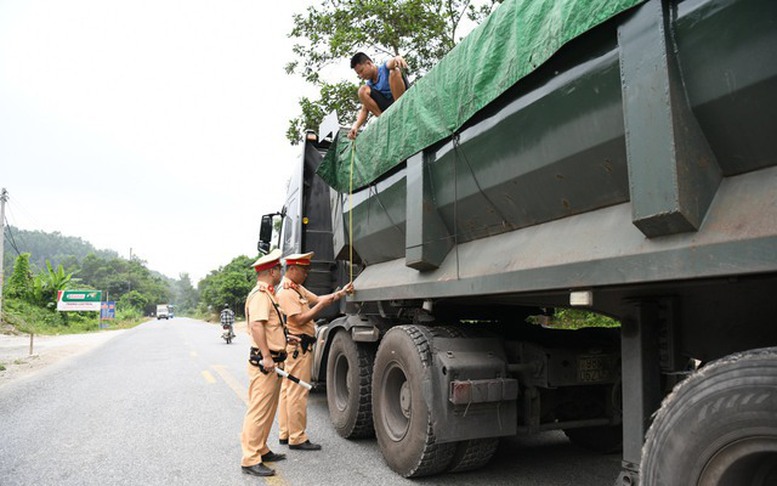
[[305, 446], [273, 457], [258, 470], [283, 441]]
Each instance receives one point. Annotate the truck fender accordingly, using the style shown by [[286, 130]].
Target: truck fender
[[362, 329]]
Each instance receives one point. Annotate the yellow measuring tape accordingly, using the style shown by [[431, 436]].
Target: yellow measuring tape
[[350, 214]]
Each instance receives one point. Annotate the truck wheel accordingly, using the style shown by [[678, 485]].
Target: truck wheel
[[402, 419], [719, 426], [606, 439], [473, 454], [349, 387]]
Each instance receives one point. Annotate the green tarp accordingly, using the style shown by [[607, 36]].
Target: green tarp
[[512, 42]]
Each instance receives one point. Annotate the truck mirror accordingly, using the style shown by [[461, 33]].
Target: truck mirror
[[265, 233]]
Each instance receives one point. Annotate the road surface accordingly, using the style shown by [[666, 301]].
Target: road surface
[[163, 403]]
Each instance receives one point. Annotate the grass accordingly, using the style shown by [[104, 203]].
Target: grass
[[29, 319]]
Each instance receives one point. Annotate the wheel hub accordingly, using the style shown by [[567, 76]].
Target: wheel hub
[[404, 399]]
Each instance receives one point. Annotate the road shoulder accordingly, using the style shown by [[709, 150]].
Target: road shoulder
[[47, 351]]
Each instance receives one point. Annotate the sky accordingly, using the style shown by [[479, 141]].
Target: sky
[[151, 127]]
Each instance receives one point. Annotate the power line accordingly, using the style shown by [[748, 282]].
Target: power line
[[12, 214], [10, 238]]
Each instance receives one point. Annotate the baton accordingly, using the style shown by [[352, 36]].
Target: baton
[[293, 378]]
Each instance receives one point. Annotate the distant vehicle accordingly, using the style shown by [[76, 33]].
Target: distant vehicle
[[163, 312]]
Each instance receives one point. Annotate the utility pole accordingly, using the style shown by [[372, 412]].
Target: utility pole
[[3, 199]]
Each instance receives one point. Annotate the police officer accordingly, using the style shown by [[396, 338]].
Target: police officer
[[300, 306], [266, 330]]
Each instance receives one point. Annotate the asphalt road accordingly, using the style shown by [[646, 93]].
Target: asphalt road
[[162, 404]]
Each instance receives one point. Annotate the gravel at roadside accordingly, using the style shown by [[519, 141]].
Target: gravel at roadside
[[18, 363]]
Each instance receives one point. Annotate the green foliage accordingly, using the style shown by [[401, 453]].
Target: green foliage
[[31, 290], [19, 286], [47, 284], [184, 295], [422, 31], [30, 318], [564, 318], [339, 96], [227, 285], [53, 247], [118, 277], [133, 301]]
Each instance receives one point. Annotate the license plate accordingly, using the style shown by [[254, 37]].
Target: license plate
[[596, 369]]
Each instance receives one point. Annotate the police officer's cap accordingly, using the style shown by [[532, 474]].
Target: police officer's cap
[[268, 261], [299, 259]]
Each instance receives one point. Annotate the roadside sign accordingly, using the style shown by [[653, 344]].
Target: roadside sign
[[108, 310], [79, 300]]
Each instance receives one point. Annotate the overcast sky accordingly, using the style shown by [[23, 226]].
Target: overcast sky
[[157, 126]]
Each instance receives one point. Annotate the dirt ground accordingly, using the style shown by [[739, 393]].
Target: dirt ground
[[18, 363]]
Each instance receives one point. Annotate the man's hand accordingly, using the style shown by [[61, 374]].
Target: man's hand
[[396, 62], [268, 364], [353, 132], [349, 288]]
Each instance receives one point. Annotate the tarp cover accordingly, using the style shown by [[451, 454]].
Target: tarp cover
[[512, 42]]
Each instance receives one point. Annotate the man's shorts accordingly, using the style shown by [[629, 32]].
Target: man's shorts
[[380, 99]]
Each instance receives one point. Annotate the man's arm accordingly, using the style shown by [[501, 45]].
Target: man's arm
[[396, 62], [297, 320], [360, 119]]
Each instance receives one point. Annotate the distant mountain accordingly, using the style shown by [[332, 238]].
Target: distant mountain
[[42, 246]]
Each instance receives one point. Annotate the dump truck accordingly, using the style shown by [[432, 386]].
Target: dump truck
[[616, 157]]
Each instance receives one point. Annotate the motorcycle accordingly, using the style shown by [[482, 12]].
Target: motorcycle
[[227, 335]]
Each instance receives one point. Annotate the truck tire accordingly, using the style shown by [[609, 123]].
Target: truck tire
[[719, 426], [402, 419], [473, 454], [349, 387], [606, 439]]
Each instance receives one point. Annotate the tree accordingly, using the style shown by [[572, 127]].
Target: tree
[[20, 284], [47, 284], [184, 294], [422, 31], [135, 300], [228, 285]]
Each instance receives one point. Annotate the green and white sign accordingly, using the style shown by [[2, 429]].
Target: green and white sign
[[79, 300]]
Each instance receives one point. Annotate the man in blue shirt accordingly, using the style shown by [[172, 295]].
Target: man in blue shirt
[[384, 84]]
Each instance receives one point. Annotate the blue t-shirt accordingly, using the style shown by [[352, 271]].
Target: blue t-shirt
[[382, 84]]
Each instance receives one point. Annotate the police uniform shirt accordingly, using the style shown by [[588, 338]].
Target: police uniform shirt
[[294, 300], [259, 307]]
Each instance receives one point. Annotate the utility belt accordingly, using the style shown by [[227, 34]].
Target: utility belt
[[255, 357], [305, 343]]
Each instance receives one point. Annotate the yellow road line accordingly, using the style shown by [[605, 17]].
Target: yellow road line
[[276, 480], [242, 393], [240, 390], [208, 377]]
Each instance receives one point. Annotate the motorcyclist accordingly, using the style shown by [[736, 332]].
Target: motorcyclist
[[227, 323]]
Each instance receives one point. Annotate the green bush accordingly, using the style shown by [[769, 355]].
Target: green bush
[[30, 318], [573, 319]]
